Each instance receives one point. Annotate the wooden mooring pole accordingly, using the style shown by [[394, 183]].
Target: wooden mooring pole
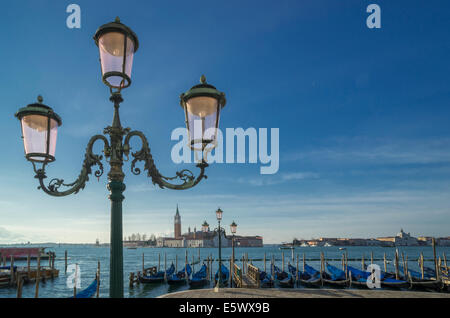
[[385, 263], [433, 242], [12, 277], [76, 281], [421, 265], [304, 262], [265, 262], [65, 261], [38, 276], [185, 266], [19, 285], [98, 279], [397, 274], [28, 264]]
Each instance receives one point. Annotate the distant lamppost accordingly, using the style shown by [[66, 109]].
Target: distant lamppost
[[117, 44], [205, 227], [219, 213], [233, 227]]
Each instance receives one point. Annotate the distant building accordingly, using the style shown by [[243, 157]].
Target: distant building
[[177, 224], [204, 239], [401, 239]]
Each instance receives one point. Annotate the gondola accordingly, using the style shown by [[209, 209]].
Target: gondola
[[224, 278], [180, 277], [157, 277], [283, 278], [89, 291], [5, 275], [199, 278], [265, 280], [359, 279], [428, 282], [310, 277], [334, 276]]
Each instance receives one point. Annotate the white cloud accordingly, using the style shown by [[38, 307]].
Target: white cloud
[[265, 180], [377, 151]]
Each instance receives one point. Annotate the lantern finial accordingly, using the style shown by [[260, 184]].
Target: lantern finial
[[203, 79], [40, 99], [117, 20]]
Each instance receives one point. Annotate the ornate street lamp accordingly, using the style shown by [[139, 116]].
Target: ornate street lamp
[[205, 227], [117, 44], [39, 130], [202, 105], [233, 227], [219, 213]]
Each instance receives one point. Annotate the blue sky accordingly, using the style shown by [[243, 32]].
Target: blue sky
[[363, 115]]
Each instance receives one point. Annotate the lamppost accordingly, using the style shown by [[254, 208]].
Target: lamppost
[[117, 44], [219, 213], [233, 227], [205, 228]]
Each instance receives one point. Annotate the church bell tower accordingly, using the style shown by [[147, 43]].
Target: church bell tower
[[177, 224]]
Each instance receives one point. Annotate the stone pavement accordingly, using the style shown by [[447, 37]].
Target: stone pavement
[[302, 293]]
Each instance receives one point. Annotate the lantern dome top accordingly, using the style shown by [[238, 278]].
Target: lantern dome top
[[117, 26], [38, 109], [203, 89]]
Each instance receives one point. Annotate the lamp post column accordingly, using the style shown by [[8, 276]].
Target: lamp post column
[[116, 188], [232, 260], [220, 257]]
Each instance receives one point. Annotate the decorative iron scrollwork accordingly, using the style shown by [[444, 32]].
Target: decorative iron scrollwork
[[144, 154], [90, 160]]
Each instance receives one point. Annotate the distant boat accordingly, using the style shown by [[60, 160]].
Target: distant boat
[[181, 276], [310, 277], [304, 245], [89, 292], [157, 277], [224, 277], [286, 247], [327, 244], [342, 248], [132, 248], [199, 278], [335, 277], [283, 278]]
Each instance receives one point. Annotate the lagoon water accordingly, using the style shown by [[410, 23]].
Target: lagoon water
[[87, 256]]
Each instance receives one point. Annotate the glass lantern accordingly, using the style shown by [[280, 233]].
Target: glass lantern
[[202, 105], [39, 131], [233, 227], [117, 44], [219, 213]]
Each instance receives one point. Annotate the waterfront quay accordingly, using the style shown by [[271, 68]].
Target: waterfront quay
[[88, 256], [301, 293]]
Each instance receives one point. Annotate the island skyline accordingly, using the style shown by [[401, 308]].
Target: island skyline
[[364, 140]]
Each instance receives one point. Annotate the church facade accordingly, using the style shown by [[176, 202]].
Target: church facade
[[204, 239]]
